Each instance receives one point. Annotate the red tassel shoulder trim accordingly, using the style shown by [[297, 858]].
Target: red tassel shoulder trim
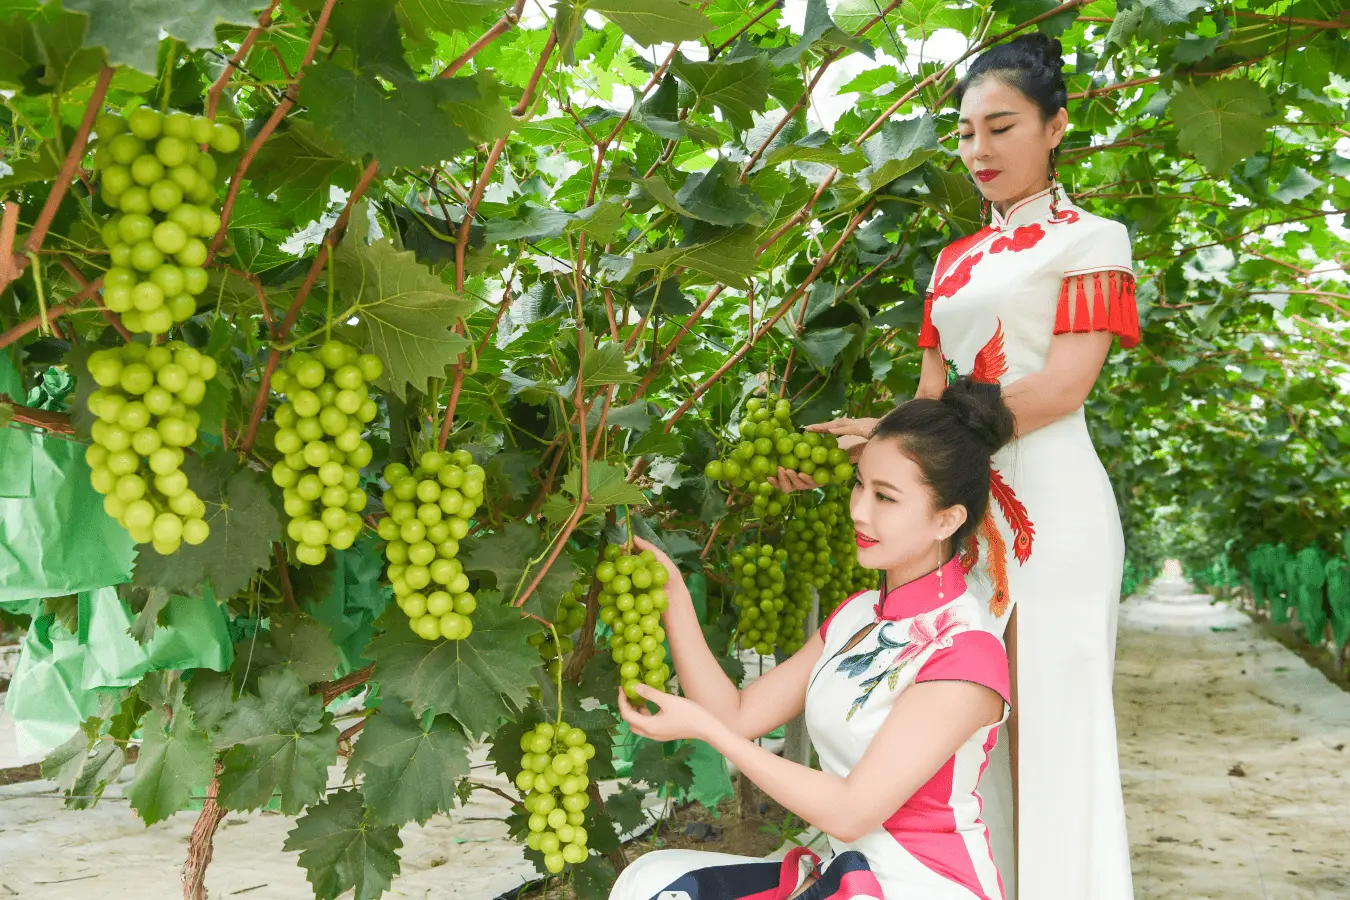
[[1099, 301], [928, 335]]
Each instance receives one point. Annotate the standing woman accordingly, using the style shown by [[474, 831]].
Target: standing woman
[[1033, 301]]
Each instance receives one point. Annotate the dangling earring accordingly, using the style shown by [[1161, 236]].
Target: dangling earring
[[1054, 182], [941, 596], [984, 212]]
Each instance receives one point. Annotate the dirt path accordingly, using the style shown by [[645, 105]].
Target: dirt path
[[1235, 757]]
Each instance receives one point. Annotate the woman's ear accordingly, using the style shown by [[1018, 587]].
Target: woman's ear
[[950, 520], [1058, 124]]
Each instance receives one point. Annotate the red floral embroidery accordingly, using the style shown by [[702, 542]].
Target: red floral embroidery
[[1064, 217], [959, 277], [1023, 238]]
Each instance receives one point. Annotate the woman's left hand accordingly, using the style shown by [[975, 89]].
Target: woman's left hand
[[677, 717]]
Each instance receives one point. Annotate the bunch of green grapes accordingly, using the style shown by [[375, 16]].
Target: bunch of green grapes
[[429, 511], [570, 616], [319, 430], [146, 407], [554, 782], [632, 598], [758, 570], [153, 171], [768, 441], [830, 559]]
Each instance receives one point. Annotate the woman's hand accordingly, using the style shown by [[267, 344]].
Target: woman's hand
[[677, 718], [852, 434], [677, 592]]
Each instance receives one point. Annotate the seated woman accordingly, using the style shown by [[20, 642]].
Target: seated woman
[[904, 690]]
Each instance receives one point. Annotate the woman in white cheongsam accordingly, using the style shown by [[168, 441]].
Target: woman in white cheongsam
[[1033, 301]]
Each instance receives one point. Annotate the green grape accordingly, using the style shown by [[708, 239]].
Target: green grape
[[146, 415], [424, 513], [553, 781], [319, 480], [632, 598]]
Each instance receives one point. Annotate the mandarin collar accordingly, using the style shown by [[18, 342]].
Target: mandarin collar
[[1035, 208], [921, 595]]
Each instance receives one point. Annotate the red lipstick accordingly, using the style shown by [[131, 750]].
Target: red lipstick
[[987, 175], [864, 541]]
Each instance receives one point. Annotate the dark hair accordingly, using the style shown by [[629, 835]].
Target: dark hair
[[1032, 63], [952, 440]]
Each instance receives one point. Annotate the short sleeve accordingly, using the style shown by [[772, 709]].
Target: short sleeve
[[974, 656], [1098, 291]]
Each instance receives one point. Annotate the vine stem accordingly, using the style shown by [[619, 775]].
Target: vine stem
[[13, 334], [509, 20], [716, 51], [200, 843], [55, 422], [320, 259], [213, 95], [15, 263], [329, 691], [287, 101]]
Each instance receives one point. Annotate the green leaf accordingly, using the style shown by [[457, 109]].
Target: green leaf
[[299, 165], [605, 365], [600, 220], [956, 196], [45, 166], [660, 764], [737, 88], [479, 680], [143, 626], [654, 21], [130, 32], [280, 740], [296, 644], [1297, 185], [1173, 12], [898, 148], [175, 759], [1221, 122], [410, 765], [817, 147], [342, 849], [406, 313], [539, 222], [818, 26], [427, 17], [244, 523], [717, 196], [823, 345], [606, 485]]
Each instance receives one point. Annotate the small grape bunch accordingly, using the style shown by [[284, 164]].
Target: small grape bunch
[[554, 782], [319, 434], [146, 407], [768, 441], [762, 598], [632, 598], [429, 510], [153, 171], [570, 616]]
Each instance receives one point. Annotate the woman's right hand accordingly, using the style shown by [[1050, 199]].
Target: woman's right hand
[[677, 592], [853, 435]]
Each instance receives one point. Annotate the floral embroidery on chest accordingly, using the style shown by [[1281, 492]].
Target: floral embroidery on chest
[[935, 630], [1023, 238]]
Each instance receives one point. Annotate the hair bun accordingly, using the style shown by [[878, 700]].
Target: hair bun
[[979, 407]]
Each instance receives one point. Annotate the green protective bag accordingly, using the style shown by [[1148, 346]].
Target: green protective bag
[[47, 699], [195, 636]]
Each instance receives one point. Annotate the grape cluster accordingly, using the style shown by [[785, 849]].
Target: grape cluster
[[429, 509], [153, 171], [758, 570], [570, 616], [768, 441], [822, 554], [554, 782], [632, 599], [319, 430], [145, 404]]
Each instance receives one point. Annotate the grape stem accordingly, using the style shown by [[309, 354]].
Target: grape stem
[[559, 677], [55, 422], [509, 19], [213, 95]]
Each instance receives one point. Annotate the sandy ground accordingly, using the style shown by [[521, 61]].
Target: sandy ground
[[1235, 757]]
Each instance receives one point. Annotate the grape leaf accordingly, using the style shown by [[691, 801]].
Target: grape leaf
[[507, 555], [244, 523], [654, 21], [818, 26], [897, 148], [606, 485], [175, 758], [406, 313], [1173, 12], [659, 765], [427, 17], [479, 680], [410, 766], [279, 740], [299, 165], [738, 88], [130, 31], [605, 365], [1222, 122], [1297, 185], [341, 849], [296, 644], [717, 196]]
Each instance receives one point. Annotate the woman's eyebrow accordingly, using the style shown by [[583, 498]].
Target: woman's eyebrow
[[997, 115]]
